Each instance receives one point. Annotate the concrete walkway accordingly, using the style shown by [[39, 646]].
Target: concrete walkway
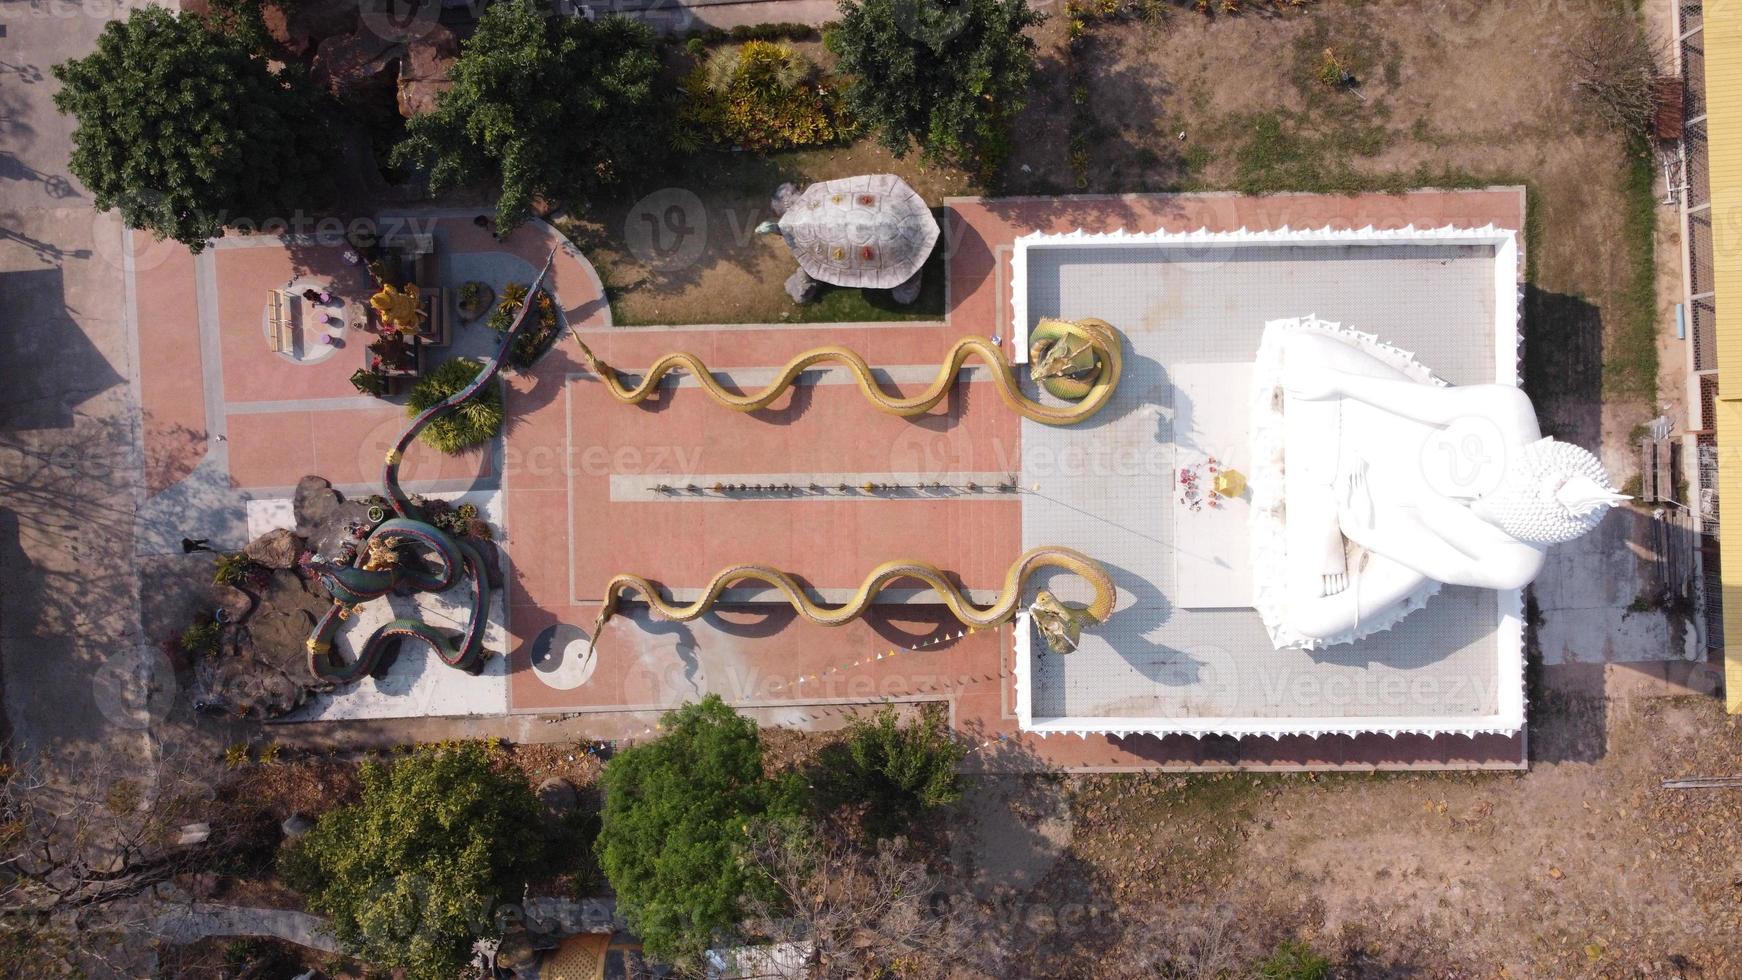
[[198, 921], [69, 420]]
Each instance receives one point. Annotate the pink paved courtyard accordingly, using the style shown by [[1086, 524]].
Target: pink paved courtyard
[[579, 473]]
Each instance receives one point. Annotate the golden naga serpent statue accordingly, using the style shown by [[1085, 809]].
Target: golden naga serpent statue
[[1075, 360], [1060, 623], [1079, 360]]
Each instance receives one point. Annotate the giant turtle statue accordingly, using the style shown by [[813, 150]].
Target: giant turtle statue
[[871, 231]]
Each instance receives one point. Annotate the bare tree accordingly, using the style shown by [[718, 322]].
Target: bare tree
[[72, 857], [859, 914], [1615, 67], [64, 849]]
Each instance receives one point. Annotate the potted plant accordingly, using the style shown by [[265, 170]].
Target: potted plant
[[475, 299]]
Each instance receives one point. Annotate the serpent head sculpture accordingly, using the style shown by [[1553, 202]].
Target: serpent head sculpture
[[1060, 624], [1066, 357]]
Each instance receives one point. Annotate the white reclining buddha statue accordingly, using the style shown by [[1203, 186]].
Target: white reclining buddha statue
[[1374, 482]]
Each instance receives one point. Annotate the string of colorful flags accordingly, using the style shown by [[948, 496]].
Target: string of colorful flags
[[598, 747]]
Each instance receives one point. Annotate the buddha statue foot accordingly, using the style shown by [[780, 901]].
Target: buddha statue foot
[[1336, 583]]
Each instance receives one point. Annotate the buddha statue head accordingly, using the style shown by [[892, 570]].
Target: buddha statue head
[[1551, 493]]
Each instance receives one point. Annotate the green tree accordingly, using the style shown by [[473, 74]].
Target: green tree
[[673, 841], [183, 130], [410, 874], [547, 105], [948, 75], [897, 771]]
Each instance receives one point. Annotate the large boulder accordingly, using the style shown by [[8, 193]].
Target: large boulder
[[323, 516], [277, 548], [423, 73], [246, 689], [233, 604], [314, 502], [348, 63], [261, 670]]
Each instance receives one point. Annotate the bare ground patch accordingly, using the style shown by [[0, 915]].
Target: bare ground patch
[[1577, 868], [1446, 92]]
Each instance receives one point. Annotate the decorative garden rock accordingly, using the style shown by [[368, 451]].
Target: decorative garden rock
[[232, 602], [314, 502], [277, 548], [872, 231], [262, 669]]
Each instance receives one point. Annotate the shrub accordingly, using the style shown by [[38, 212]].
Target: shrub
[[1331, 71], [202, 637], [763, 96], [1615, 66], [410, 874], [369, 382], [461, 521], [897, 771], [477, 421], [233, 569], [673, 838], [255, 957], [534, 339], [1294, 960]]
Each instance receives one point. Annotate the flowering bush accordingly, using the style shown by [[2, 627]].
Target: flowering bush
[[531, 341], [761, 96]]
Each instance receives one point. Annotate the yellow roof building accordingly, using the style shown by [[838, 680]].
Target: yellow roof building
[[1723, 66]]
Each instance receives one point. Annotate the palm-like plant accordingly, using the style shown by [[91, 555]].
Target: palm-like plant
[[475, 422]]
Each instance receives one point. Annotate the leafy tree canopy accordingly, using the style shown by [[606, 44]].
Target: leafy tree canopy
[[945, 74], [897, 771], [547, 105], [410, 874], [673, 840], [183, 130]]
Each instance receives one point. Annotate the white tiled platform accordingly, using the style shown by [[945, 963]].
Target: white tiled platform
[[416, 684], [1159, 664]]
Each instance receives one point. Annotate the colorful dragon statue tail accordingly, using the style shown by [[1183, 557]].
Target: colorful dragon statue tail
[[1060, 623], [1076, 360], [378, 568]]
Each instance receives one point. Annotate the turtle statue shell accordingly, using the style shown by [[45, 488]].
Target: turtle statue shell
[[872, 231]]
